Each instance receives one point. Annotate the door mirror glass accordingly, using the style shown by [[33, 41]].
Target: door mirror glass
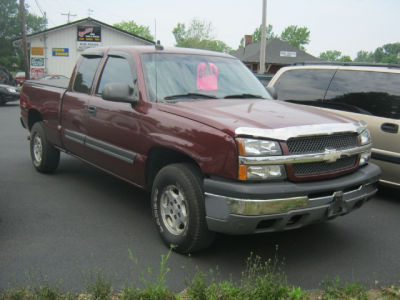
[[119, 92]]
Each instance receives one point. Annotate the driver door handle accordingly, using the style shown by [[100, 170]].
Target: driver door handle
[[92, 110]]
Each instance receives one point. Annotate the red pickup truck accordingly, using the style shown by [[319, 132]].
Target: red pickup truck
[[198, 130]]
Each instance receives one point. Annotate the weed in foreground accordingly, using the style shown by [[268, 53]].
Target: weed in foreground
[[98, 287], [333, 289], [157, 291], [15, 294], [261, 280]]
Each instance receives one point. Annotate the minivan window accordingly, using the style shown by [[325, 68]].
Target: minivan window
[[85, 74], [117, 69], [366, 92], [307, 86]]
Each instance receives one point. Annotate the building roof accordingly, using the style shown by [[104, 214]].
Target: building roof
[[277, 52], [86, 20]]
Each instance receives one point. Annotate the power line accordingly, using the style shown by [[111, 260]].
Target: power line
[[40, 9], [69, 15]]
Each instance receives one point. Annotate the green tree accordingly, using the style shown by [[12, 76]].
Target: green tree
[[132, 27], [296, 36], [334, 55], [364, 56], [10, 30], [269, 34], [198, 35], [388, 53], [257, 35]]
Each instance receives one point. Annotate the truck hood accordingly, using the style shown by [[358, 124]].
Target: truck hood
[[229, 115]]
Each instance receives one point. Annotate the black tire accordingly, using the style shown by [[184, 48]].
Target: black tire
[[2, 101], [45, 157], [178, 208]]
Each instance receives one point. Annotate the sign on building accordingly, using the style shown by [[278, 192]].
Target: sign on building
[[37, 61], [60, 52], [89, 34], [288, 54], [37, 51]]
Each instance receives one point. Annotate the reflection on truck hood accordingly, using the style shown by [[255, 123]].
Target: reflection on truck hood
[[228, 115]]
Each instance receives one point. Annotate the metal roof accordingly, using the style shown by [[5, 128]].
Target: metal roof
[[85, 21], [277, 52]]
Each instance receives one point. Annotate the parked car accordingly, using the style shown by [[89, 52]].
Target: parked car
[[264, 78], [20, 78], [200, 132], [8, 93], [362, 92]]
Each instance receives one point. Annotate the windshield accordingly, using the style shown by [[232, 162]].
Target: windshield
[[176, 77]]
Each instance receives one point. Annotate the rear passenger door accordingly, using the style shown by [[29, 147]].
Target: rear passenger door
[[375, 98]]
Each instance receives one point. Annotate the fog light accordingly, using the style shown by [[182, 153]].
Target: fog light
[[364, 158], [266, 172]]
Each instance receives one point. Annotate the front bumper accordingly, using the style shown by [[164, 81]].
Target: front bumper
[[245, 208]]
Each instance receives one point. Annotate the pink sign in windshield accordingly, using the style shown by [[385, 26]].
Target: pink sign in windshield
[[207, 77]]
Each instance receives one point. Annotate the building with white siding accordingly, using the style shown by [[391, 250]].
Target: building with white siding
[[55, 50]]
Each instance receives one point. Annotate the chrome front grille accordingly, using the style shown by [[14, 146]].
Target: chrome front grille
[[324, 167], [311, 144], [319, 144]]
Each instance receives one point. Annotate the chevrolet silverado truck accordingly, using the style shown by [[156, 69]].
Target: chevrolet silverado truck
[[200, 132]]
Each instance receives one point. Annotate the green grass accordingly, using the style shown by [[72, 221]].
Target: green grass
[[261, 279]]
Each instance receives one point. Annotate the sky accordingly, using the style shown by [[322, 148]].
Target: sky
[[345, 25]]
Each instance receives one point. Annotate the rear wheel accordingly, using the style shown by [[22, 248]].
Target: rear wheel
[[178, 208], [45, 157]]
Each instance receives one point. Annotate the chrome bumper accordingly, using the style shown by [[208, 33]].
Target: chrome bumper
[[244, 209]]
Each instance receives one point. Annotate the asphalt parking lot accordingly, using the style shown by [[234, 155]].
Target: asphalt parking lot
[[67, 225]]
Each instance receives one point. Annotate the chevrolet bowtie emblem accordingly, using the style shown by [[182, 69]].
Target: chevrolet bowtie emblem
[[332, 155]]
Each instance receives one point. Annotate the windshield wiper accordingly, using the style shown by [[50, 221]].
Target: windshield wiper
[[190, 95], [243, 96]]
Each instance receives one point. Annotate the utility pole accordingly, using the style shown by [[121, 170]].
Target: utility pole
[[23, 31], [69, 15], [263, 42]]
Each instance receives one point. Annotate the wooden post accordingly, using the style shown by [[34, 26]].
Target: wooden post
[[24, 46]]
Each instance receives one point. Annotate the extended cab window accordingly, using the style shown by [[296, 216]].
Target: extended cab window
[[307, 86], [366, 92], [85, 74], [117, 69]]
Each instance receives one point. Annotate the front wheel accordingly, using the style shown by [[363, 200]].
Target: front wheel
[[45, 157], [178, 208]]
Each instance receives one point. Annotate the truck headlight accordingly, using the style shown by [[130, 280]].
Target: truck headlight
[[365, 137], [259, 148], [262, 172], [254, 147]]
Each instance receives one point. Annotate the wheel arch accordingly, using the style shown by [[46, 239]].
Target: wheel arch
[[33, 117], [160, 157]]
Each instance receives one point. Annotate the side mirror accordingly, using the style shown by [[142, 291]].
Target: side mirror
[[272, 91], [119, 92]]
